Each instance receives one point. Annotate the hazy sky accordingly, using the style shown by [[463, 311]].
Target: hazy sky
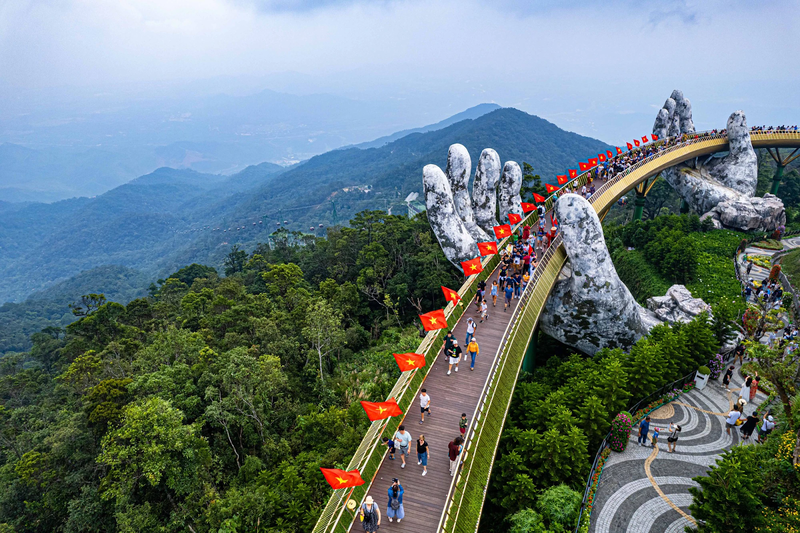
[[601, 68]]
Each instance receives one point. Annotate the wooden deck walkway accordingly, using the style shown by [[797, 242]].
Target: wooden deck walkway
[[424, 497]]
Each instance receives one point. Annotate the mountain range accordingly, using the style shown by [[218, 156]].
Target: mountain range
[[162, 221]]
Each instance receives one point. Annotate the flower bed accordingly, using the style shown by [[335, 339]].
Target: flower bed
[[598, 471], [716, 364], [769, 244], [763, 261], [620, 431]]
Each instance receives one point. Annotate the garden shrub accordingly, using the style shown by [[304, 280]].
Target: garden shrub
[[704, 370], [559, 506], [620, 431]]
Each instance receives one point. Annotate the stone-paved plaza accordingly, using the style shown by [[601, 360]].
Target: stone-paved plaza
[[645, 490]]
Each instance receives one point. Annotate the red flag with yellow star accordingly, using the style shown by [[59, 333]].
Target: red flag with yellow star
[[630, 146], [610, 154], [550, 188], [450, 295], [593, 161], [644, 139], [572, 173], [487, 248], [562, 179], [538, 198], [514, 218], [380, 410], [409, 361], [636, 142], [654, 136], [601, 157], [502, 231], [473, 266], [339, 479], [527, 207], [619, 150], [584, 166], [433, 320]]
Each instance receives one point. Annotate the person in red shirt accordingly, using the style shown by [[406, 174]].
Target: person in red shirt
[[526, 233]]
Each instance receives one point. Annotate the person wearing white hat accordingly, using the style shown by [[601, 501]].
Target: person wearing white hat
[[370, 515], [766, 428]]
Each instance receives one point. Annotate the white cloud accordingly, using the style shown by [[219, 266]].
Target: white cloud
[[604, 57]]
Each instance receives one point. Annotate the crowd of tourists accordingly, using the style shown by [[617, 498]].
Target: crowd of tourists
[[769, 129]]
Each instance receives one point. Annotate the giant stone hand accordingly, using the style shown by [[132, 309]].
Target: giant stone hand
[[723, 188], [459, 222], [590, 308]]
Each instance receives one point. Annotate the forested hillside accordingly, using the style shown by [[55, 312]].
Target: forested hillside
[[210, 405], [165, 220]]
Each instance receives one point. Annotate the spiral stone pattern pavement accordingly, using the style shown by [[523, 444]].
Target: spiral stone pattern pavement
[[646, 490]]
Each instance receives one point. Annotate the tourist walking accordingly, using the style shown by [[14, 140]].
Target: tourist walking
[[644, 429], [424, 404], [494, 293], [754, 388], [509, 293], [390, 445], [473, 350], [395, 507], [749, 425], [448, 343], [730, 421], [674, 433], [422, 454], [484, 311], [454, 450], [744, 392], [403, 439], [726, 381], [471, 326], [462, 425], [370, 515], [455, 356], [765, 428]]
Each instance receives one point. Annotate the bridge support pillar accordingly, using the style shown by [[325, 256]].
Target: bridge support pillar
[[529, 363], [776, 180], [781, 163], [638, 205]]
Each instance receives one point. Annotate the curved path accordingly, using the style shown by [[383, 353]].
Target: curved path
[[646, 489], [461, 507]]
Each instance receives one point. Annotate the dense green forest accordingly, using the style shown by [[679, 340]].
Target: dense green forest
[[163, 221], [210, 404]]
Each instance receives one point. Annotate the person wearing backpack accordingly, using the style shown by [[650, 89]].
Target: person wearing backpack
[[395, 508], [370, 515]]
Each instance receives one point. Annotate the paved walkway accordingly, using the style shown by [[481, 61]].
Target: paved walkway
[[645, 489]]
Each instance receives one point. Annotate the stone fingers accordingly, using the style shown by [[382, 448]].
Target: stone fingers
[[456, 242]]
